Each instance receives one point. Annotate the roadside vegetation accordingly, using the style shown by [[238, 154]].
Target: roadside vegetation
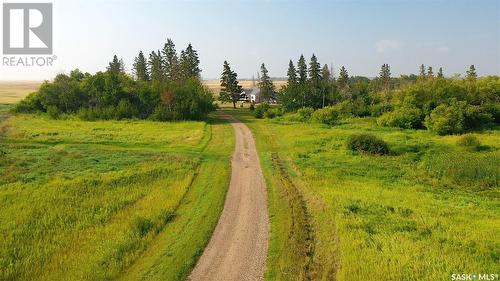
[[94, 200], [372, 177], [422, 211]]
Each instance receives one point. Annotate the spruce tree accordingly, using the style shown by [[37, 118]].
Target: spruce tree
[[115, 67], [314, 70], [170, 61], [343, 78], [266, 86], [430, 73], [325, 73], [440, 73], [471, 73], [140, 68], [292, 74], [385, 76], [156, 66], [230, 88], [422, 71], [302, 70], [190, 63]]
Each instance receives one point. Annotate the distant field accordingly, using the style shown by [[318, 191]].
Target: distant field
[[214, 85], [14, 91], [424, 212], [108, 200]]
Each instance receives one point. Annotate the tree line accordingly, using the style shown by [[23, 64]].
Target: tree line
[[166, 86], [445, 105]]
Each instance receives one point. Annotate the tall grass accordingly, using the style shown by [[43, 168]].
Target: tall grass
[[423, 212], [85, 200], [475, 170]]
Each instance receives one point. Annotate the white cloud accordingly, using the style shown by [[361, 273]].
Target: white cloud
[[384, 46], [442, 48]]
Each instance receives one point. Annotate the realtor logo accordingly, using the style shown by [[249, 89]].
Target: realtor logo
[[27, 28]]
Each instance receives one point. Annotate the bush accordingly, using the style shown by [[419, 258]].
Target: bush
[[468, 141], [378, 109], [476, 117], [305, 113], [328, 115], [53, 112], [125, 110], [403, 117], [252, 107], [446, 120], [368, 144], [260, 110], [274, 112]]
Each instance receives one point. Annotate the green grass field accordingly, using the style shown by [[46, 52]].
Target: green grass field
[[429, 209], [109, 199]]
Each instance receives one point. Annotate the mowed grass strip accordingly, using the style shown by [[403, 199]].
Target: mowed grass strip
[[84, 200], [427, 210], [175, 251]]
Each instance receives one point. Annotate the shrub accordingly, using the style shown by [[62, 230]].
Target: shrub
[[125, 110], [32, 103], [368, 144], [161, 113], [274, 112], [468, 141], [476, 117], [328, 115], [305, 113], [446, 120], [260, 110], [379, 109], [494, 110], [53, 112], [252, 107], [403, 117]]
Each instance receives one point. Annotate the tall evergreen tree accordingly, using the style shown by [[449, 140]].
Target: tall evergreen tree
[[325, 73], [292, 74], [190, 63], [156, 66], [230, 88], [170, 60], [140, 68], [430, 73], [266, 86], [422, 71], [471, 73], [440, 73], [302, 70], [314, 70], [385, 76], [343, 79], [116, 66]]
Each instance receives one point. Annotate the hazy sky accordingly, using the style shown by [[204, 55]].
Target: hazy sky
[[361, 35]]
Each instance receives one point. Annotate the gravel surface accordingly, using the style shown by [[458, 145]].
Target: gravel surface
[[238, 247]]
